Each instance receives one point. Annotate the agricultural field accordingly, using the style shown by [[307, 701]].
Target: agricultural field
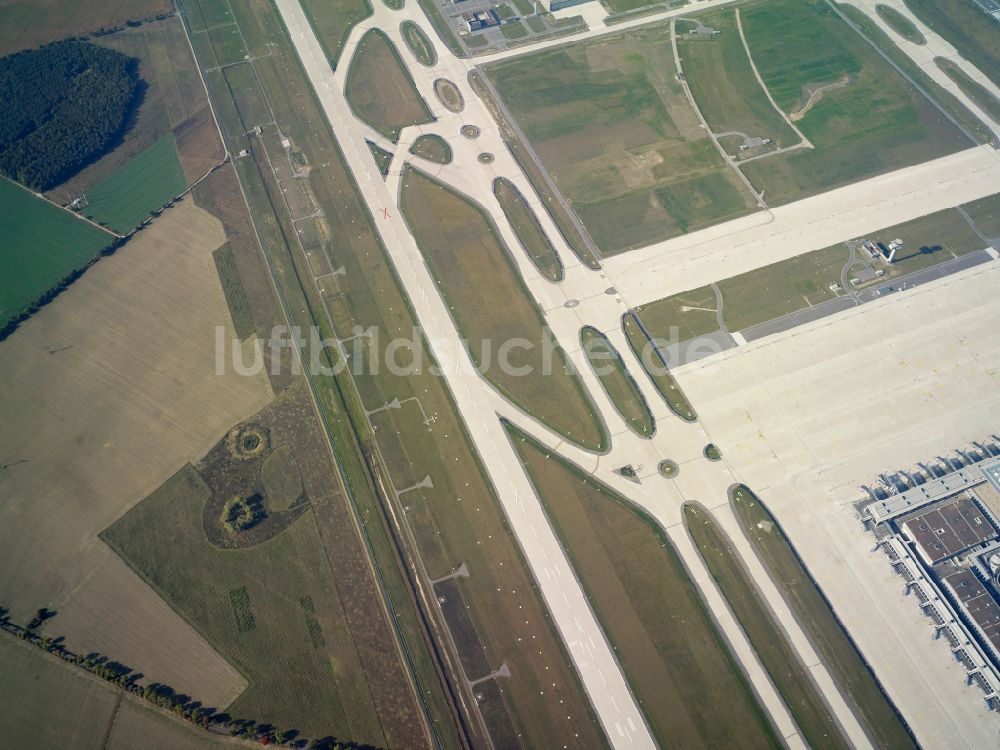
[[142, 185], [722, 81], [24, 25], [804, 700], [477, 277], [975, 127], [617, 381], [81, 450], [42, 245], [332, 22], [637, 166], [691, 690], [825, 78], [656, 369], [529, 232], [859, 685], [49, 703], [173, 101], [266, 597], [433, 148], [380, 90], [503, 604], [966, 28]]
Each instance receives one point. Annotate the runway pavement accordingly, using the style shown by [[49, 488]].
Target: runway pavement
[[699, 479]]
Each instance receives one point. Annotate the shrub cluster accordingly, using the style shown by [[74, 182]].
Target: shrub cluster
[[61, 106]]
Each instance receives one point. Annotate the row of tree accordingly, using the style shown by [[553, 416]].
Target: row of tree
[[165, 697], [62, 106]]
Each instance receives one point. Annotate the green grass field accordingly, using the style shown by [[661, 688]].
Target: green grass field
[[722, 81], [900, 24], [142, 185], [617, 381], [944, 99], [383, 158], [804, 280], [380, 89], [421, 47], [42, 245], [617, 133], [978, 93], [656, 370], [800, 45], [332, 23], [681, 317], [246, 602], [530, 233], [476, 275], [518, 149], [433, 148], [856, 680], [543, 697], [966, 28], [780, 288], [814, 719], [690, 689], [985, 212], [236, 296]]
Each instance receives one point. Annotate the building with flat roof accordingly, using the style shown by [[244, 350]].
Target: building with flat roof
[[949, 529], [978, 603]]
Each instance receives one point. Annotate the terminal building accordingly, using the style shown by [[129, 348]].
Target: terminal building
[[942, 536]]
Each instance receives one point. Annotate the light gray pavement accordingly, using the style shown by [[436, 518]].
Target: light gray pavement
[[478, 402], [750, 242]]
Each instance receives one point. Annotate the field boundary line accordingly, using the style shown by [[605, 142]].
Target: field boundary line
[[114, 718], [753, 66]]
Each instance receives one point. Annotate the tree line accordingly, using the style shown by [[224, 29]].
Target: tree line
[[158, 694], [62, 106]]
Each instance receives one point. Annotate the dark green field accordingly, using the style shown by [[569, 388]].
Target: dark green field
[[690, 689], [42, 244], [143, 184], [818, 726], [856, 680], [472, 265], [873, 124]]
